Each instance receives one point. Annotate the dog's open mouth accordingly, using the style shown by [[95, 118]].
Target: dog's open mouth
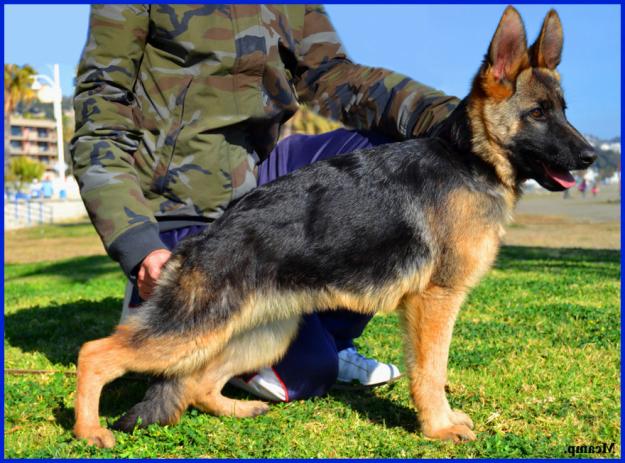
[[560, 176]]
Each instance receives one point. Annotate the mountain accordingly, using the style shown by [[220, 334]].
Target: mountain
[[608, 155]]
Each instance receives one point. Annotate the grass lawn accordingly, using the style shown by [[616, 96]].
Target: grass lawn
[[51, 242], [535, 360]]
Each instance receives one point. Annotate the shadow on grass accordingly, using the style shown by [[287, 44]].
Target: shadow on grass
[[58, 330], [378, 410], [362, 400], [79, 269], [119, 396], [546, 259]]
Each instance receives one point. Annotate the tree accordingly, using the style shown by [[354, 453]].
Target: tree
[[23, 170], [17, 87], [68, 133], [306, 121]]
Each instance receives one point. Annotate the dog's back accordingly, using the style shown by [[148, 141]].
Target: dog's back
[[347, 227]]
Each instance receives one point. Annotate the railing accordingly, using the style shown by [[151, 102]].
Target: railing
[[21, 212]]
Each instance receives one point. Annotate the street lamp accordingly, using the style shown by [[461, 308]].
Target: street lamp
[[52, 93]]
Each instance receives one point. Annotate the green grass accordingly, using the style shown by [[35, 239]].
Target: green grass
[[59, 230], [534, 360]]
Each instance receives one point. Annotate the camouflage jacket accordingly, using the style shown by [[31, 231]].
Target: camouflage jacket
[[175, 104]]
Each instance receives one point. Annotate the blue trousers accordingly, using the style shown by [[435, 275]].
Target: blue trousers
[[310, 366]]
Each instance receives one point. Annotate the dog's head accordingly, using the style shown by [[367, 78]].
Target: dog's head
[[518, 100]]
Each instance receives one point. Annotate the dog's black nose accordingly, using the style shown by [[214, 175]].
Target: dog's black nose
[[588, 156]]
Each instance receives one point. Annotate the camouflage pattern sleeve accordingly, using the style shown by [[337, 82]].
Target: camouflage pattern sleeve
[[107, 133], [359, 96]]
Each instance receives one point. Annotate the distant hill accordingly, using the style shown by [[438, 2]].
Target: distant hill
[[609, 155]]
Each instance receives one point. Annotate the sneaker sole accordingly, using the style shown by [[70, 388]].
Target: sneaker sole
[[356, 385]]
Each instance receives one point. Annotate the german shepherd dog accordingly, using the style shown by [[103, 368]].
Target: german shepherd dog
[[410, 226]]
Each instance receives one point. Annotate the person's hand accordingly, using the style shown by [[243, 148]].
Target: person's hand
[[149, 271]]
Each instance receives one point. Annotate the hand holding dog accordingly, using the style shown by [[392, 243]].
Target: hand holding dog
[[149, 271]]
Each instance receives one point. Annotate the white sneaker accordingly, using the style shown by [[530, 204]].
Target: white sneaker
[[354, 367], [265, 384]]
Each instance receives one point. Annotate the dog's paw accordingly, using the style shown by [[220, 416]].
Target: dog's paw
[[456, 433], [458, 417], [144, 414], [127, 423], [249, 408], [99, 437]]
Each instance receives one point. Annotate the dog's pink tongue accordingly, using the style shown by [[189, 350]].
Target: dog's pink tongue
[[561, 176]]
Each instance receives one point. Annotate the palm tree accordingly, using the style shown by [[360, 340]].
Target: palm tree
[[17, 87]]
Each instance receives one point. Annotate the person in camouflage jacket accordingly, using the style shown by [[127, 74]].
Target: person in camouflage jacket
[[174, 103], [177, 104]]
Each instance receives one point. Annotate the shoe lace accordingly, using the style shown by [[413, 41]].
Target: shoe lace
[[356, 357]]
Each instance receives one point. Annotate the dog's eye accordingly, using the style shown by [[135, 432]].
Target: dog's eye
[[537, 113]]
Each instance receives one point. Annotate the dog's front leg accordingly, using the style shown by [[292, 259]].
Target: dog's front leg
[[99, 362], [429, 318]]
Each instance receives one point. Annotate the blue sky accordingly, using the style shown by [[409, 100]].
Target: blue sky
[[440, 45]]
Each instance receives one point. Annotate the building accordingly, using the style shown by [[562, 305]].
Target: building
[[35, 138], [611, 146]]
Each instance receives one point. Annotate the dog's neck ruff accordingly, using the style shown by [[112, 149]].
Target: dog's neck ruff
[[465, 129], [488, 148]]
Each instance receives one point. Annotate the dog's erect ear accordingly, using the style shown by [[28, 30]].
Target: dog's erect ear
[[507, 55], [547, 49]]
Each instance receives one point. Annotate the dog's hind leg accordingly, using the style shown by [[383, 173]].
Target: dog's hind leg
[[167, 398], [248, 351], [103, 360], [429, 318], [164, 402]]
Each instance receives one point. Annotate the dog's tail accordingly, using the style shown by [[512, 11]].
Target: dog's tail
[[163, 403]]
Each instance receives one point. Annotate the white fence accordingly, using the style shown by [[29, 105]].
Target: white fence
[[27, 213]]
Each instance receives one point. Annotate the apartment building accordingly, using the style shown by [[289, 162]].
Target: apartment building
[[35, 138]]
